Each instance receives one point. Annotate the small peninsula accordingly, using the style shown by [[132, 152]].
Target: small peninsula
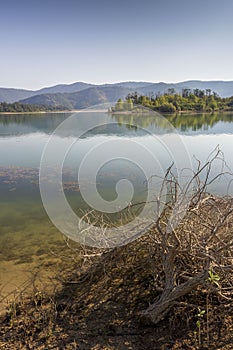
[[172, 102]]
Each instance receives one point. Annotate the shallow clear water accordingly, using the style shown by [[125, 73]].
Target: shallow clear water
[[26, 232]]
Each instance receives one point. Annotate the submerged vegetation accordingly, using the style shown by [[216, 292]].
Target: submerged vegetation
[[102, 294], [17, 107], [178, 278], [171, 102], [169, 289]]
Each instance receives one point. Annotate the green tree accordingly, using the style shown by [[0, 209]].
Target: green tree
[[119, 105]]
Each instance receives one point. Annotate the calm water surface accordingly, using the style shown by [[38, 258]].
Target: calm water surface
[[26, 233]]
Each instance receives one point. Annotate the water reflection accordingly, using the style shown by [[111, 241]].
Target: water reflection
[[24, 224], [204, 123], [12, 125]]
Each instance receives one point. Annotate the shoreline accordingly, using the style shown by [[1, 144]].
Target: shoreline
[[146, 111], [55, 112], [70, 307], [172, 113]]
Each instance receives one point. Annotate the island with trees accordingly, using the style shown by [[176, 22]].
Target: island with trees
[[172, 102]]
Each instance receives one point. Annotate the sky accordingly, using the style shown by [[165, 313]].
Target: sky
[[48, 42]]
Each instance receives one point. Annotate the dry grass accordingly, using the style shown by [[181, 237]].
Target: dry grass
[[100, 299]]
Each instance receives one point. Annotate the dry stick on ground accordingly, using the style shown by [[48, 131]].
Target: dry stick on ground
[[204, 238]]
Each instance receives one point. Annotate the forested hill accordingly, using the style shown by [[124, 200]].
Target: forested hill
[[62, 91], [24, 108], [81, 99]]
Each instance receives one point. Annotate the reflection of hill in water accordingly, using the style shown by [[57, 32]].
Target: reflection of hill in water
[[12, 125], [21, 124], [188, 122], [204, 123]]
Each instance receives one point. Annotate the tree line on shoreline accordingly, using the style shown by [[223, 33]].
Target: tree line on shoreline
[[23, 108], [169, 102], [172, 102]]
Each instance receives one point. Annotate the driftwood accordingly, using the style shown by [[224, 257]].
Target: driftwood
[[201, 243]]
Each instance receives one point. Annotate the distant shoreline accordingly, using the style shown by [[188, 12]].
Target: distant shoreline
[[116, 113], [55, 112], [171, 113]]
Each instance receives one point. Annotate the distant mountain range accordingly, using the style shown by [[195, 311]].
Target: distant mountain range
[[81, 95]]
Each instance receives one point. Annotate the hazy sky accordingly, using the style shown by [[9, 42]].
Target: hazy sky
[[46, 42]]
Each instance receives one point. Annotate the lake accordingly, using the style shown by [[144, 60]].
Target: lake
[[29, 241]]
